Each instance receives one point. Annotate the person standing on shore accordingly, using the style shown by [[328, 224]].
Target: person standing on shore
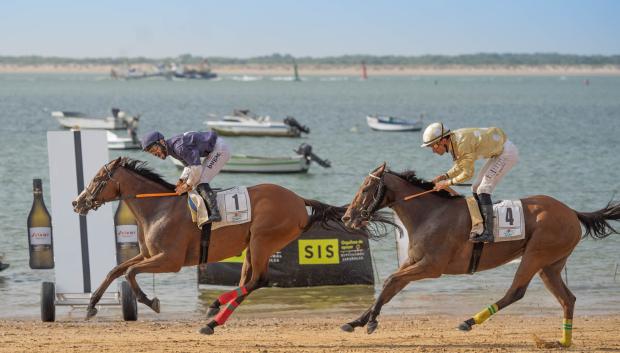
[[466, 146], [188, 148]]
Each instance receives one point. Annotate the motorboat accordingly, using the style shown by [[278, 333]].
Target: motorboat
[[118, 120], [390, 123], [299, 163], [246, 123], [201, 71], [116, 142]]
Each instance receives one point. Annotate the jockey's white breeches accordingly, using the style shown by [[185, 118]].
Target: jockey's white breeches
[[210, 166], [495, 169], [215, 161]]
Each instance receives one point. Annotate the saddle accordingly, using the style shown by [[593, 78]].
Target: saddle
[[233, 203], [509, 219], [509, 225]]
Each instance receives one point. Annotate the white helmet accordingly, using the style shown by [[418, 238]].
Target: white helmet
[[433, 133]]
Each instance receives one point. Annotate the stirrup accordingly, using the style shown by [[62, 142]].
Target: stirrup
[[214, 218], [485, 237]]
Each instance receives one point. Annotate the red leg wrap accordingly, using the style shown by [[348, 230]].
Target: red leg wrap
[[233, 294], [224, 313]]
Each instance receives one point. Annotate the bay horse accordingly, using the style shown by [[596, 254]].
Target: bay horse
[[439, 223], [170, 240]]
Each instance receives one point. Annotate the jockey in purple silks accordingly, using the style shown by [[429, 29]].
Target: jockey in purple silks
[[202, 153]]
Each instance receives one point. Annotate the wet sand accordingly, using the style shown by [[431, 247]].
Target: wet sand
[[307, 333]]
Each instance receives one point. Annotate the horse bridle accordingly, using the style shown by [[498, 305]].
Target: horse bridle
[[90, 201], [380, 194], [377, 197]]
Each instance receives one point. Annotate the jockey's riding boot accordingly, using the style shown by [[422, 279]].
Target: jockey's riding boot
[[473, 234], [210, 198], [486, 206]]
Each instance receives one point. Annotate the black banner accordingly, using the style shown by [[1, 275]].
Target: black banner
[[318, 257]]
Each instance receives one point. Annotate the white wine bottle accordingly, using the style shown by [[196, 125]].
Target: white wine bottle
[[126, 233], [40, 242]]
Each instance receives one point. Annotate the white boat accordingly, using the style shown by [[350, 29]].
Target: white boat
[[116, 142], [300, 163], [118, 120], [246, 123], [390, 123]]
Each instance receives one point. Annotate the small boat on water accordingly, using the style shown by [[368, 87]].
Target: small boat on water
[[116, 142], [299, 163], [3, 265], [390, 123], [118, 120], [246, 123]]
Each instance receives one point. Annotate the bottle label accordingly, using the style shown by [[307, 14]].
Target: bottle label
[[127, 233], [40, 236]]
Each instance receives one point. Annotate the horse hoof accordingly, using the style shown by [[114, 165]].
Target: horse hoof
[[213, 311], [155, 305], [347, 328], [90, 313], [464, 326], [372, 326], [207, 330]]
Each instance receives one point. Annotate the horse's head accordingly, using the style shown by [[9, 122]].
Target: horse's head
[[100, 190], [368, 199]]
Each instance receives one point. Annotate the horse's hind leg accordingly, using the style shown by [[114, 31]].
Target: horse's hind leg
[[552, 278], [530, 264], [258, 265], [246, 274], [112, 275], [159, 263]]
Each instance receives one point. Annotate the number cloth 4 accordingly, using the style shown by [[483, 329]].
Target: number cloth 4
[[509, 219]]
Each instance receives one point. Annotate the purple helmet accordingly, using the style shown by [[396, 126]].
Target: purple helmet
[[150, 138]]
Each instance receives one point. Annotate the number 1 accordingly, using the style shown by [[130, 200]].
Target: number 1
[[236, 197]]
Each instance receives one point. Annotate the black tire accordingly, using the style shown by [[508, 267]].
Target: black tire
[[128, 302], [48, 305]]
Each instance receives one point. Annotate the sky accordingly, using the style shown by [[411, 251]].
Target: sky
[[317, 28]]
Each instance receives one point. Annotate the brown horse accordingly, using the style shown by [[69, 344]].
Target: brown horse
[[171, 240], [439, 223]]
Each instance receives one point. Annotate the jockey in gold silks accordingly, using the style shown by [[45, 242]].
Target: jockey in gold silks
[[466, 146]]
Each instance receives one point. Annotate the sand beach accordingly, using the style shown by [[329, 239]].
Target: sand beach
[[308, 334]]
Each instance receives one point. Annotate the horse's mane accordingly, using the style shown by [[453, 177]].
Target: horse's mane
[[141, 168], [411, 178]]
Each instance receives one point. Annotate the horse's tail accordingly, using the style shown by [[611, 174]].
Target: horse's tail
[[596, 223], [330, 217]]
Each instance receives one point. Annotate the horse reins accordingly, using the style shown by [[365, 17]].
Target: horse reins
[[406, 198]]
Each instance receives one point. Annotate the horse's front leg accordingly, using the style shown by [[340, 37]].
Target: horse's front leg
[[112, 275], [159, 263], [392, 285]]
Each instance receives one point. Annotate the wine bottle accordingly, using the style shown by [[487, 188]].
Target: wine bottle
[[126, 233], [40, 242]]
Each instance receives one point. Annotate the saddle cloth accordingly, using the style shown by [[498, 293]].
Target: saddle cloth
[[234, 205], [509, 219]]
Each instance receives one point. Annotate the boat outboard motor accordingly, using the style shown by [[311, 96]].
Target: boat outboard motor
[[292, 122], [306, 150]]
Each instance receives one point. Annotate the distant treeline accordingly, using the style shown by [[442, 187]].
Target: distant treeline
[[482, 59]]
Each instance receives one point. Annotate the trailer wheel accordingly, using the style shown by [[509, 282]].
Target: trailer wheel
[[128, 302], [48, 305]]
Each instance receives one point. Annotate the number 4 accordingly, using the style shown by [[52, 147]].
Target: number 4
[[509, 217]]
